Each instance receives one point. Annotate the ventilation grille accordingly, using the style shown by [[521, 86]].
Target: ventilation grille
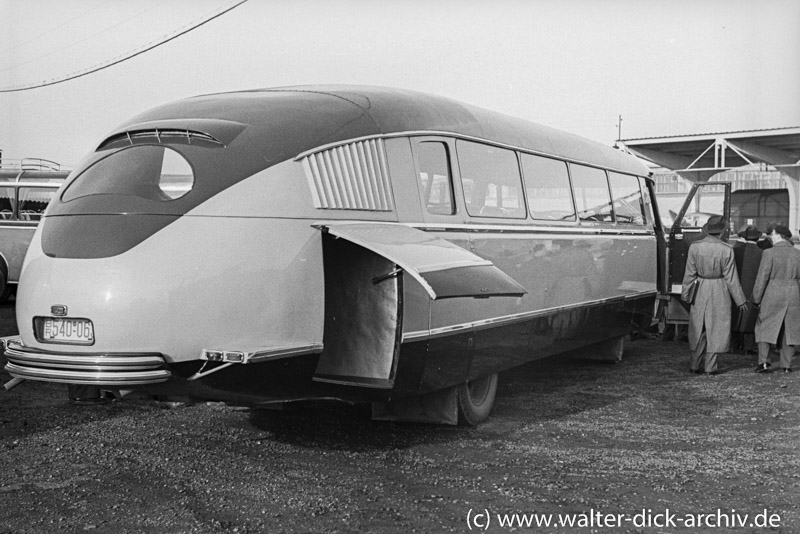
[[160, 135], [350, 177]]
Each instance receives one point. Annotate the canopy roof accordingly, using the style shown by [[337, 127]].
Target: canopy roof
[[698, 156]]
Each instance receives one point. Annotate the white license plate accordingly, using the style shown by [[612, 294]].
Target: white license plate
[[68, 330]]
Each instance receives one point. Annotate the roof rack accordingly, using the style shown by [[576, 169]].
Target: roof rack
[[30, 164]]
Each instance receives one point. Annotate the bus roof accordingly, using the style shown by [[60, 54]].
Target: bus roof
[[286, 121]]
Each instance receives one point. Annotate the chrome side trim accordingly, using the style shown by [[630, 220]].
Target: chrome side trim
[[118, 369], [527, 228], [255, 356], [419, 335], [19, 225], [494, 322], [537, 228], [276, 353]]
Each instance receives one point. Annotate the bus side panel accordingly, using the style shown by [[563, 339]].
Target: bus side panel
[[403, 180], [554, 332], [417, 304], [581, 290], [281, 191], [556, 272], [201, 282], [15, 242], [416, 311]]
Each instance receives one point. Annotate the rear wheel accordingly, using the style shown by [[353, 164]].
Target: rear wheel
[[475, 400]]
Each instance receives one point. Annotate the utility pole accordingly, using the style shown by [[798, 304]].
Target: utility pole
[[619, 132]]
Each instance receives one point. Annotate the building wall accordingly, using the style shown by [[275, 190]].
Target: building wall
[[671, 188], [754, 177]]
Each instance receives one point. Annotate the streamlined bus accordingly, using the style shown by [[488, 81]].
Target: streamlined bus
[[365, 244]]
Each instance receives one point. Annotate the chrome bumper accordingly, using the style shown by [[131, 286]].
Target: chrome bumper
[[100, 369]]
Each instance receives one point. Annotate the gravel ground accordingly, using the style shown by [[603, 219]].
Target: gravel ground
[[568, 437]]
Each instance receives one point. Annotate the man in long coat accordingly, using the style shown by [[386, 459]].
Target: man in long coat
[[748, 257], [777, 289], [711, 261]]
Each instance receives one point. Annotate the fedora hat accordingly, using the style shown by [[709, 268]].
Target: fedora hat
[[715, 225], [751, 233]]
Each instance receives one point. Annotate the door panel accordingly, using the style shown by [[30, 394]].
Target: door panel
[[704, 200], [363, 317]]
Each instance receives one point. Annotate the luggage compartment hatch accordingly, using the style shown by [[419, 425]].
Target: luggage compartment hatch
[[444, 269]]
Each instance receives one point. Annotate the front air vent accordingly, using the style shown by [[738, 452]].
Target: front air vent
[[354, 176]]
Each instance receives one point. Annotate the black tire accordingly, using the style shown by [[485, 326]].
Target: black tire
[[475, 400], [5, 290]]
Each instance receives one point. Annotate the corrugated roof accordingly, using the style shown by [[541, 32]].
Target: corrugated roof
[[712, 134]]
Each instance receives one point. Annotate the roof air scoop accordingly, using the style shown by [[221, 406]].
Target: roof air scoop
[[209, 133]]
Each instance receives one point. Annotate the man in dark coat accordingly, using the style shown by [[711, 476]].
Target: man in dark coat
[[748, 257], [765, 243], [711, 261], [777, 290]]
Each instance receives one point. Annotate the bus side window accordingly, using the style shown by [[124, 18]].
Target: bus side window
[[491, 180], [33, 201], [627, 197], [6, 203], [548, 189], [436, 185], [591, 194]]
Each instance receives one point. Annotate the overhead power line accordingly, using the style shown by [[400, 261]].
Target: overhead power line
[[51, 30], [129, 55], [83, 40]]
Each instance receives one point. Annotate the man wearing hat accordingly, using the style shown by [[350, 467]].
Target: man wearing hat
[[748, 257], [777, 290], [766, 242], [712, 264]]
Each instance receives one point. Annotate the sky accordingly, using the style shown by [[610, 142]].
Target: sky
[[667, 67]]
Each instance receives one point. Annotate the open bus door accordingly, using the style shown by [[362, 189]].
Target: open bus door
[[704, 200]]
